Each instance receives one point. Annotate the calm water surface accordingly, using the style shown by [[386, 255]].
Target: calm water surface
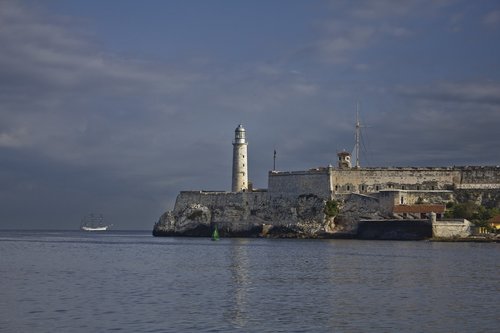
[[132, 282]]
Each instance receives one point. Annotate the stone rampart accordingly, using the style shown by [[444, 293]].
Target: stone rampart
[[480, 175], [219, 199], [327, 181], [295, 183], [369, 180]]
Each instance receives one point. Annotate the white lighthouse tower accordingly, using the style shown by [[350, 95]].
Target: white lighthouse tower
[[240, 165]]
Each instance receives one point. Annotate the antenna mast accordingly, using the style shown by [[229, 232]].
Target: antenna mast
[[357, 135], [274, 161]]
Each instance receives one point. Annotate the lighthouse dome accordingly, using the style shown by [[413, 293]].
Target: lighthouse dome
[[240, 135]]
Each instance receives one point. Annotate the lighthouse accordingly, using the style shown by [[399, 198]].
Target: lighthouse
[[240, 165]]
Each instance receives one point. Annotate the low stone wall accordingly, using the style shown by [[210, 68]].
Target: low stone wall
[[451, 228]]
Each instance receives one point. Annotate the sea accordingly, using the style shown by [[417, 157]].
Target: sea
[[119, 281]]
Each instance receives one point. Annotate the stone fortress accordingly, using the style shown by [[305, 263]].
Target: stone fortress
[[296, 203]]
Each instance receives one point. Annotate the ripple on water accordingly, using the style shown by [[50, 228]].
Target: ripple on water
[[77, 283]]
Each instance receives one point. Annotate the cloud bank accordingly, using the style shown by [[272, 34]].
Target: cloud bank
[[87, 127]]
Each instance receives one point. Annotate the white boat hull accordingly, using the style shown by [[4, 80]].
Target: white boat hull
[[95, 229]]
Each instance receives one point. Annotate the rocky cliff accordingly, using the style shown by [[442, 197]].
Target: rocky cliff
[[256, 214]]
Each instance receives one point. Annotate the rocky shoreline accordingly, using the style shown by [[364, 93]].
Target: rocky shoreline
[[472, 239], [286, 233], [258, 215]]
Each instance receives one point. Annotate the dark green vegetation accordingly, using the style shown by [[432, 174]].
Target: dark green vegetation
[[477, 214], [331, 208]]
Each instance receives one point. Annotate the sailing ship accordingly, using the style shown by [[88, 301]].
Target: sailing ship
[[94, 222]]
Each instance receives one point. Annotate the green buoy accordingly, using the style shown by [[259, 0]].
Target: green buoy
[[215, 234]]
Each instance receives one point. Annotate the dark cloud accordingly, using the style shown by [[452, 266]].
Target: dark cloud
[[84, 128], [457, 92]]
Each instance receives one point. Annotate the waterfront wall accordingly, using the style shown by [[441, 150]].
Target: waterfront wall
[[459, 228], [395, 229]]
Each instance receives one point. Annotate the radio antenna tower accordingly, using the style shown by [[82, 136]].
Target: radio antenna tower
[[357, 136]]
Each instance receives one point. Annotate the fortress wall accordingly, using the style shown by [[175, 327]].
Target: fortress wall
[[219, 199], [324, 182], [480, 178], [296, 183], [376, 179]]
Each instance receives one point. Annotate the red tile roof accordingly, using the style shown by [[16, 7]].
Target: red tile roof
[[495, 219]]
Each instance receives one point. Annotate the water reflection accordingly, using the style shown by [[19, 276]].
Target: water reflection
[[237, 313], [251, 285]]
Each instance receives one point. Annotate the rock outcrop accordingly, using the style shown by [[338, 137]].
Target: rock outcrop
[[256, 214]]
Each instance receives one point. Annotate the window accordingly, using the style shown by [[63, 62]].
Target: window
[[403, 187], [348, 188], [362, 188], [402, 200], [376, 188], [336, 187]]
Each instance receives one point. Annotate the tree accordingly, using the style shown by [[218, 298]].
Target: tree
[[331, 208], [477, 214]]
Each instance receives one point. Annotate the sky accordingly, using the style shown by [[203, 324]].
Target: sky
[[113, 107]]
